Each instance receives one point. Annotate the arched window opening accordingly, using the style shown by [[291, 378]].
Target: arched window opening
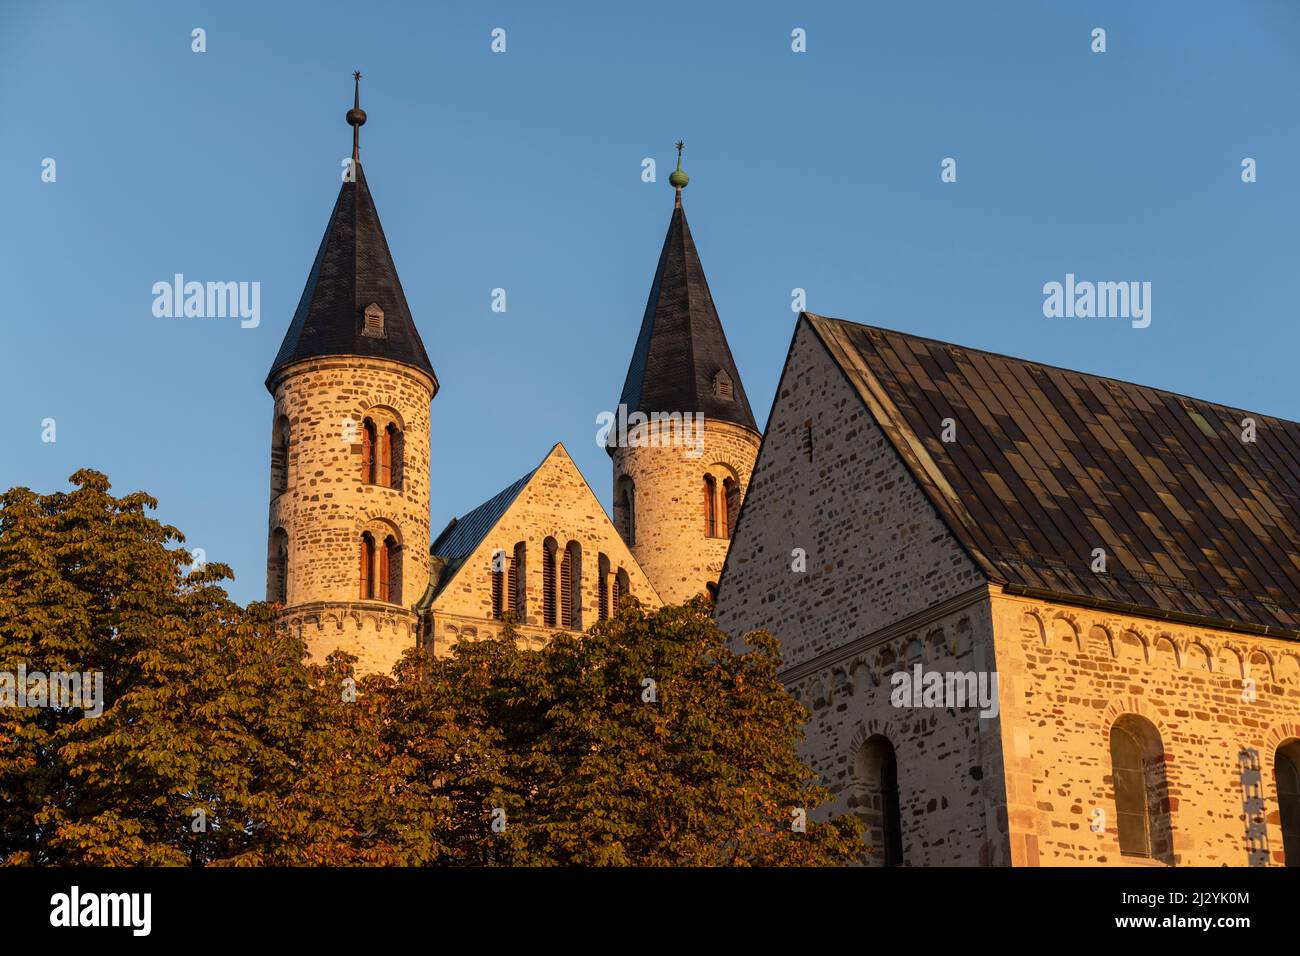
[[498, 574], [391, 586], [876, 776], [385, 457], [277, 571], [368, 442], [1286, 777], [549, 602], [603, 586], [516, 583], [571, 587], [280, 456], [367, 567], [625, 510], [710, 506], [730, 505], [621, 589], [1141, 793]]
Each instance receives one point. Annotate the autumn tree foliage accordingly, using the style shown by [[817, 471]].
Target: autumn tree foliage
[[645, 741]]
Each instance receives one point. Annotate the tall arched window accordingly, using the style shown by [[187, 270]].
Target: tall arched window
[[368, 443], [1286, 777], [621, 589], [498, 574], [571, 587], [549, 602], [876, 775], [625, 509], [516, 583], [384, 460], [710, 506], [1137, 761], [367, 566], [602, 585], [390, 580], [730, 505], [277, 569], [280, 456]]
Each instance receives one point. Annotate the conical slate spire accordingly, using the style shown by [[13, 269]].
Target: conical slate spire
[[353, 270], [681, 347]]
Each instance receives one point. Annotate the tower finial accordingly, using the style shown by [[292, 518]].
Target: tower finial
[[679, 180], [356, 118]]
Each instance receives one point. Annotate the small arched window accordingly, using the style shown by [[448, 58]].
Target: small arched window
[[571, 587], [499, 574], [549, 603], [390, 578], [277, 568], [1286, 777], [280, 456], [369, 440], [876, 773], [710, 506], [730, 505], [385, 457], [621, 589], [603, 584], [1141, 794], [722, 385], [516, 583], [367, 566], [625, 510]]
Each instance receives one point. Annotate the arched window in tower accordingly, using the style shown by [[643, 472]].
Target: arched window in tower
[[367, 566], [549, 602], [516, 583], [625, 509], [277, 570], [381, 575], [1286, 777], [390, 563], [385, 457], [1137, 761], [730, 505], [602, 585], [280, 456], [710, 506], [571, 587], [722, 385], [875, 774], [368, 449]]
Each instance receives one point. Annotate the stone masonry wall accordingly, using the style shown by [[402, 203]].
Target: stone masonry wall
[[671, 542], [556, 503], [885, 585], [1068, 673]]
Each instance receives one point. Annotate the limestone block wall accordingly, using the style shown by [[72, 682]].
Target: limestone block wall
[[377, 635], [671, 541], [556, 503], [1068, 673], [326, 504]]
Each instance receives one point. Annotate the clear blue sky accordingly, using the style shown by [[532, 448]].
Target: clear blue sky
[[522, 171]]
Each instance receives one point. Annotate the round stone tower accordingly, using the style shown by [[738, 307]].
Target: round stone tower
[[348, 536], [684, 439]]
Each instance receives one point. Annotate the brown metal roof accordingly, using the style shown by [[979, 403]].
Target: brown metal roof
[[1049, 464]]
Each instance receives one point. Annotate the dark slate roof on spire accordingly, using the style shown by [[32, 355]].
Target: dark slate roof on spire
[[1049, 464], [681, 346], [353, 268]]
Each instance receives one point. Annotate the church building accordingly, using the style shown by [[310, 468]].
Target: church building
[[1039, 617], [349, 551]]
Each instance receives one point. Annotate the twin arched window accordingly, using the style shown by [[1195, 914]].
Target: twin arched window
[[381, 569], [562, 585], [721, 504], [381, 452], [508, 583]]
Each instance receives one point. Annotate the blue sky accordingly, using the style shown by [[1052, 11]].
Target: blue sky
[[522, 171]]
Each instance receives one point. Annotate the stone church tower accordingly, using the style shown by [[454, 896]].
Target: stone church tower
[[348, 548], [678, 487]]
